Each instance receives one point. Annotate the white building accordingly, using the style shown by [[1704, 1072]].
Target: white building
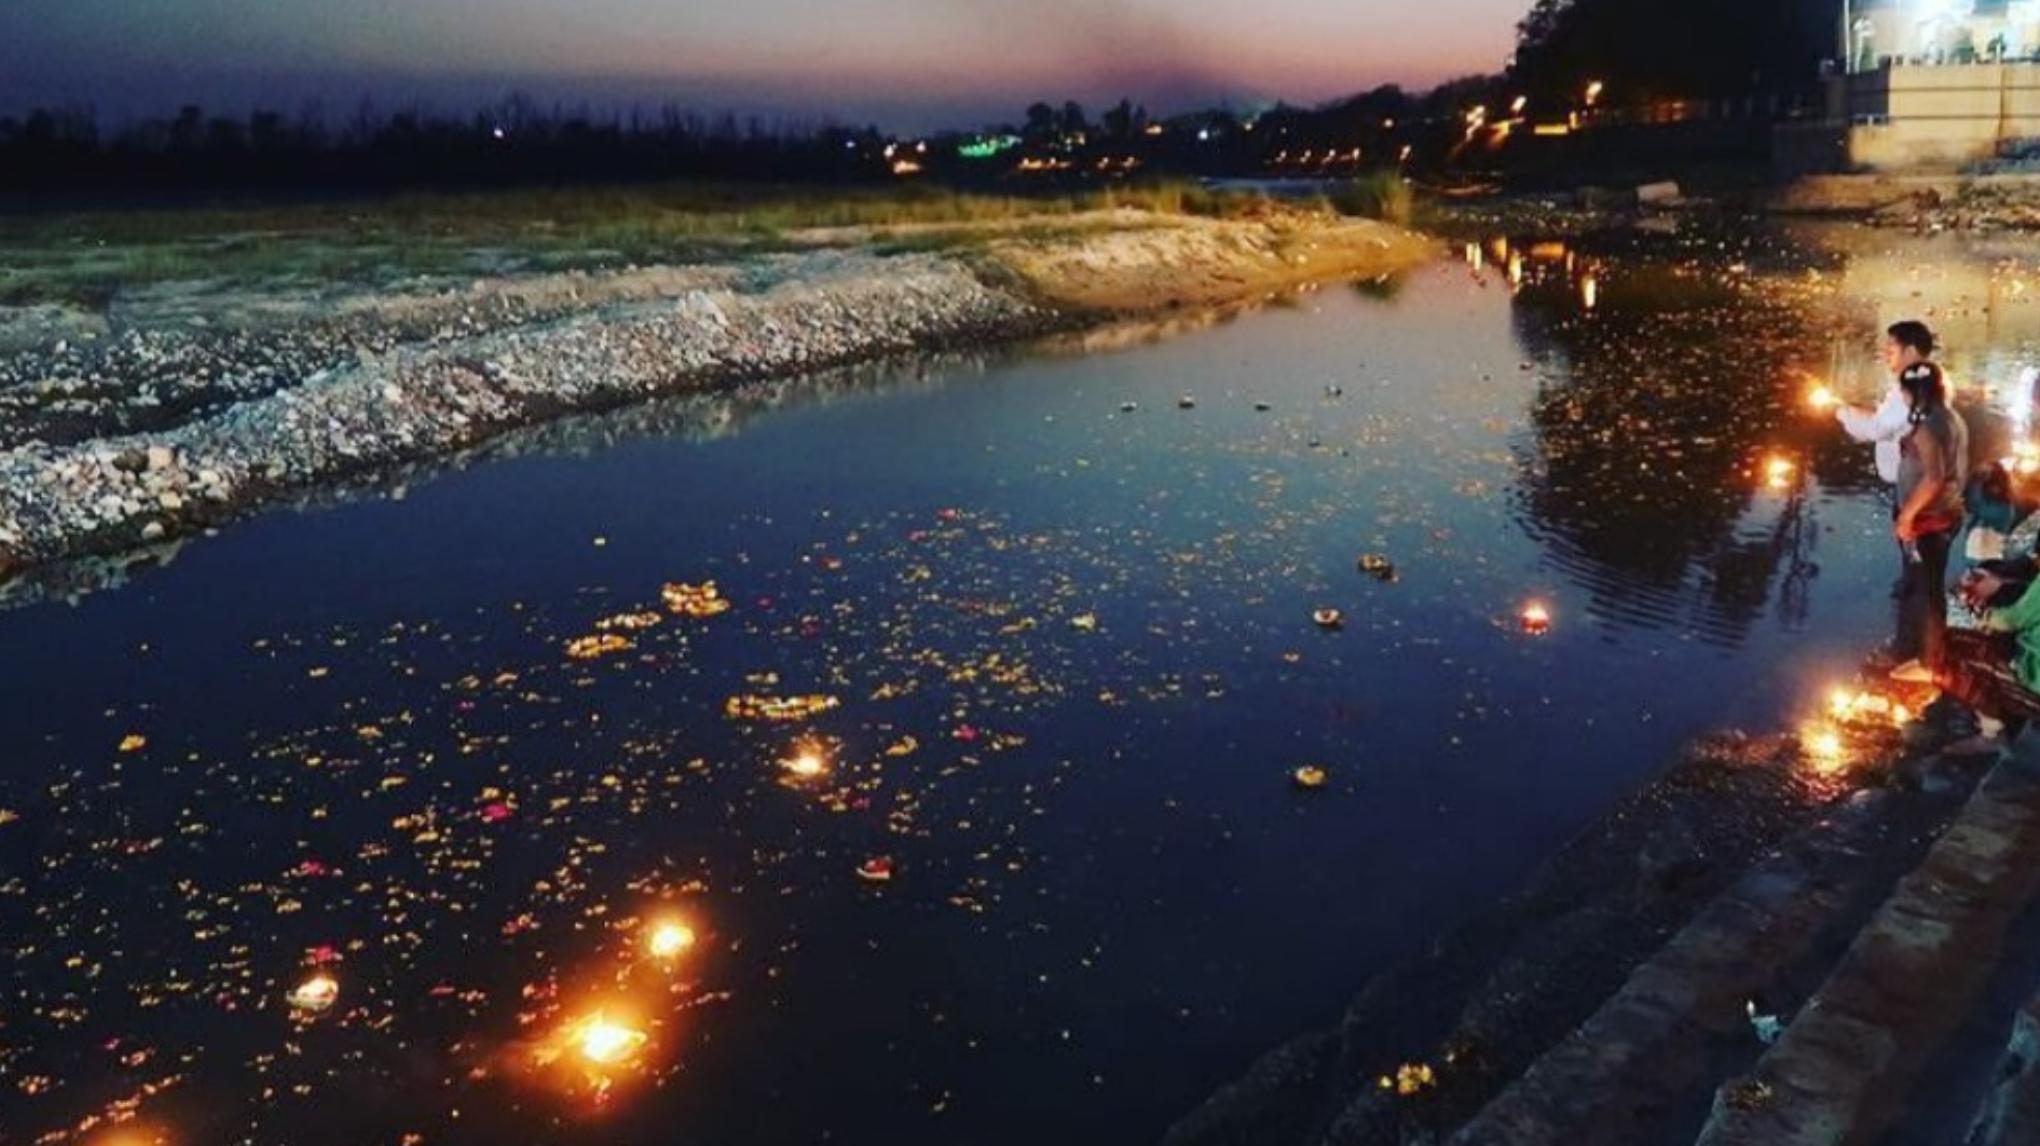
[[1930, 85]]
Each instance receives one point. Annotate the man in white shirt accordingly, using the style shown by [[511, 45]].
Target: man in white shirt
[[1906, 344]]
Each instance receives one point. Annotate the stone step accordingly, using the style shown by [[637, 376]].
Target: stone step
[[1841, 1072], [1647, 1051], [2010, 1112]]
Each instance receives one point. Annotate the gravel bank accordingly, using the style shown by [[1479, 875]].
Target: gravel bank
[[216, 456], [183, 410]]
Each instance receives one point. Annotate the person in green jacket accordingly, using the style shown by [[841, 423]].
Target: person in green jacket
[[1995, 668]]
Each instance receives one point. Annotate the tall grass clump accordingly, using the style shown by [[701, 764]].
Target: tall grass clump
[[1382, 195]]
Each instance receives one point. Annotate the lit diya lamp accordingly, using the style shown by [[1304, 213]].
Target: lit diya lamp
[[1535, 619], [1310, 777], [807, 763], [603, 1041], [878, 869], [1821, 398], [1330, 620], [316, 995], [669, 939]]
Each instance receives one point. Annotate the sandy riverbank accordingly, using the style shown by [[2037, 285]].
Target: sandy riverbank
[[173, 411]]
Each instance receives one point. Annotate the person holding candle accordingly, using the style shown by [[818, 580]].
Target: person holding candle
[[1906, 344]]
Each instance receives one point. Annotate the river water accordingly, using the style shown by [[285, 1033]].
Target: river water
[[1073, 650]]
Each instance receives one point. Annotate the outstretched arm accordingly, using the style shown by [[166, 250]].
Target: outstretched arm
[[1887, 423]]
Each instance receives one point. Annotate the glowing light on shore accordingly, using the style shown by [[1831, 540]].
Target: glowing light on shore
[[1823, 749], [669, 939]]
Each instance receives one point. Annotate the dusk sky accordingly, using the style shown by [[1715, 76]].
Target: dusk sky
[[903, 63]]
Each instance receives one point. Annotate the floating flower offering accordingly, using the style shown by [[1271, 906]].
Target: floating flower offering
[[876, 870], [1378, 567], [1535, 619], [1329, 619], [599, 645], [669, 939], [315, 995], [697, 601], [778, 709], [1310, 777]]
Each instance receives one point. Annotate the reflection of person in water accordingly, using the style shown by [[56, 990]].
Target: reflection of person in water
[[1933, 464]]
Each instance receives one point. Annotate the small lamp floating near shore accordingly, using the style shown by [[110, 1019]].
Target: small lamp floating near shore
[[669, 939], [316, 995], [878, 869], [1535, 619], [1186, 402], [1378, 567], [1330, 620], [1310, 777]]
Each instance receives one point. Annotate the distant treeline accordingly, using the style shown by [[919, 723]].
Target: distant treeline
[[1651, 50], [55, 151], [517, 140]]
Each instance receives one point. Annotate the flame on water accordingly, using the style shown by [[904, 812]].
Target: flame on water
[[669, 938], [604, 1041]]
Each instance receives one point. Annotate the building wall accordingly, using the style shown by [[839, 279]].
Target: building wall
[[1927, 118]]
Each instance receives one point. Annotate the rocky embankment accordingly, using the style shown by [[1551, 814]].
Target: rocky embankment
[[177, 415]]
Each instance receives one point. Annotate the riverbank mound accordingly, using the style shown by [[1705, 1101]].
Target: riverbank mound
[[173, 410]]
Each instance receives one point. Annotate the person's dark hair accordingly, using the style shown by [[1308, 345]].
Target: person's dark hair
[[1928, 389], [1913, 334]]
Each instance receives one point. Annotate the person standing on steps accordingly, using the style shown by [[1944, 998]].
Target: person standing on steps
[[1906, 344], [1933, 464]]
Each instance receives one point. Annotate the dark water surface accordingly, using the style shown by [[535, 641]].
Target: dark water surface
[[1076, 666]]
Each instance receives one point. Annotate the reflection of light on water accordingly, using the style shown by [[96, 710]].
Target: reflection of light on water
[[1778, 472]]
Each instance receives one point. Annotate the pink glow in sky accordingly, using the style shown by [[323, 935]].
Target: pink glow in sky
[[931, 60]]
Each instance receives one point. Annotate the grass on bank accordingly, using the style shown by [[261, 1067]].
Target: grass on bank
[[85, 259]]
